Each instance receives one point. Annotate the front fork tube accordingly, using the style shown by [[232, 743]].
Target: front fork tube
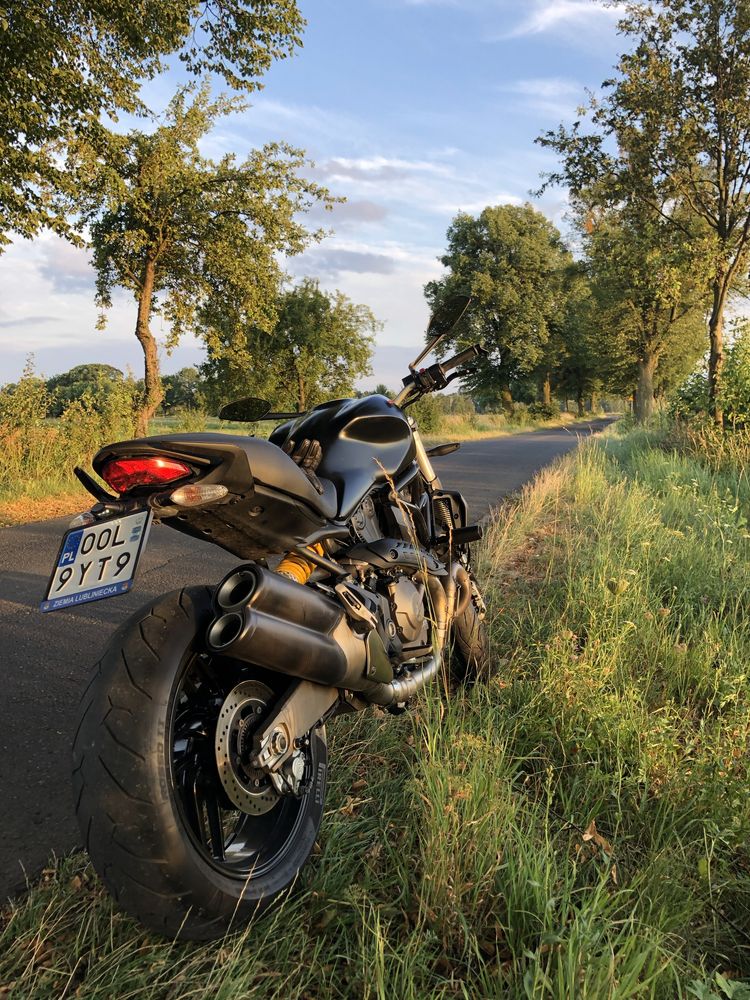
[[423, 460]]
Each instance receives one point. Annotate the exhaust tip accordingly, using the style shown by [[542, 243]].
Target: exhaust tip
[[236, 590], [225, 630]]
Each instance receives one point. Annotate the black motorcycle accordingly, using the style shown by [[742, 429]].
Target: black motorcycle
[[200, 754]]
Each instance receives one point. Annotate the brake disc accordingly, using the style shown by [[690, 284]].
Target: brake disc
[[249, 788]]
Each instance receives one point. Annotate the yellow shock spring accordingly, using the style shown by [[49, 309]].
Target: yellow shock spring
[[296, 567]]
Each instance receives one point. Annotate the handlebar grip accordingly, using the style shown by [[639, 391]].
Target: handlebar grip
[[459, 359]]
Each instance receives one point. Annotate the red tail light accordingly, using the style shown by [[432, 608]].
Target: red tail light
[[123, 474]]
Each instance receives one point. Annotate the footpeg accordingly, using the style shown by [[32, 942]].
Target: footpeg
[[463, 536]]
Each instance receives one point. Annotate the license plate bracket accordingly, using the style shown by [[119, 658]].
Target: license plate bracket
[[97, 561]]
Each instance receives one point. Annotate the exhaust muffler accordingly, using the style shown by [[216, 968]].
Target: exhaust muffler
[[273, 622]]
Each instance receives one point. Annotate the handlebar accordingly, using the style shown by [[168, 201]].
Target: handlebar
[[435, 377]]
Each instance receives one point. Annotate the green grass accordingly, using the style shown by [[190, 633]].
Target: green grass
[[575, 828]]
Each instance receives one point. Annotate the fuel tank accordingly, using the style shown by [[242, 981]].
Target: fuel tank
[[364, 441]]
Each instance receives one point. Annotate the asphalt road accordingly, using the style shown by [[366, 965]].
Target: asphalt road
[[44, 659]]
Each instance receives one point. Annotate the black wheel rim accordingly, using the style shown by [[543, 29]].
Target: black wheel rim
[[237, 844]]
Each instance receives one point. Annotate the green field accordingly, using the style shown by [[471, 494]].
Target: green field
[[575, 828]]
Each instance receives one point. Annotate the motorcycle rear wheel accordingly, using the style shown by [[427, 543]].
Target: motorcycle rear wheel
[[159, 827]]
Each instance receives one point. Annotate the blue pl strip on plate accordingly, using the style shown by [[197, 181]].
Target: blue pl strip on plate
[[95, 594], [69, 553]]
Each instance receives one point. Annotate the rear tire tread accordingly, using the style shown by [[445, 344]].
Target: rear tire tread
[[137, 843]]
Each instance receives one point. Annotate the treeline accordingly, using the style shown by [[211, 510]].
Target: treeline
[[319, 346], [657, 171], [560, 326], [658, 174]]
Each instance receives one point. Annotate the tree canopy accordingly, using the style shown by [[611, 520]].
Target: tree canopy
[[193, 239], [648, 287], [511, 259], [321, 343], [92, 380], [183, 390], [65, 64]]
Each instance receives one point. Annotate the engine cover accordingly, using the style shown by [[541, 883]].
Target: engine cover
[[407, 606]]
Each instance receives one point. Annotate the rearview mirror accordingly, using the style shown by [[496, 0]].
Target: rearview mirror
[[447, 315], [442, 321], [246, 410]]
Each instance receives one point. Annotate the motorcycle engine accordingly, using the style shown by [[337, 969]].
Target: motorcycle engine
[[407, 605]]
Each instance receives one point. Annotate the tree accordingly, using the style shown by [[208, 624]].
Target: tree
[[511, 259], [582, 342], [194, 239], [679, 113], [321, 343], [183, 390], [65, 64], [92, 380], [649, 293]]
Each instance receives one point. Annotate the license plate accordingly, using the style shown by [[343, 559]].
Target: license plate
[[97, 561]]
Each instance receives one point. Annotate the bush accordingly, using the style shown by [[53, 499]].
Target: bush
[[24, 403], [520, 416], [427, 415], [191, 421], [691, 399], [735, 379], [35, 449], [544, 411]]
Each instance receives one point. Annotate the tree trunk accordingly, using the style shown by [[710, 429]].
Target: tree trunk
[[546, 390], [644, 395], [716, 353], [301, 394], [154, 393], [507, 400], [579, 401], [594, 402]]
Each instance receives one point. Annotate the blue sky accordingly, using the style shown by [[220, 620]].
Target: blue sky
[[412, 110]]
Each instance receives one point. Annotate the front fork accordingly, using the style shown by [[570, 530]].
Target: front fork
[[423, 459]]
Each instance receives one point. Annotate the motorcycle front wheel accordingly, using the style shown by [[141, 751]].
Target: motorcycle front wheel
[[470, 652], [188, 852]]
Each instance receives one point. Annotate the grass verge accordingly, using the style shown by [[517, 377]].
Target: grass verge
[[576, 828]]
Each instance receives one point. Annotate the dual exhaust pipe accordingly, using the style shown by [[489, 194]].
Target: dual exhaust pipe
[[270, 621]]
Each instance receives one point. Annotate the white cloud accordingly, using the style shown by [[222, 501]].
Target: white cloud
[[549, 15], [267, 119], [544, 87], [376, 168], [476, 205], [554, 97]]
